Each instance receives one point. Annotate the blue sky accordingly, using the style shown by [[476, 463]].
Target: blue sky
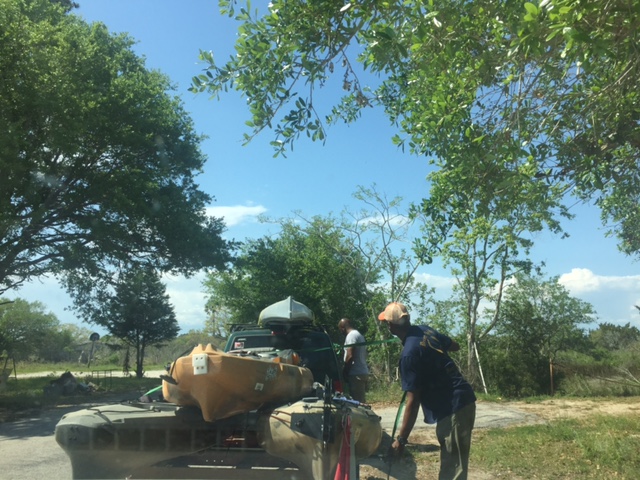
[[315, 179]]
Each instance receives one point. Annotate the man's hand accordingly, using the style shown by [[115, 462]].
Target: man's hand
[[395, 451]]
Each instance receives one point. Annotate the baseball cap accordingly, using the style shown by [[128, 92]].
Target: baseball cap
[[393, 313]]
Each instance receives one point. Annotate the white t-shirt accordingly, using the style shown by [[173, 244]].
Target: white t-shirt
[[359, 366]]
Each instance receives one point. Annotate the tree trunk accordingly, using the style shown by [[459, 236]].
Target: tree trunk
[[484, 385], [139, 361], [472, 374]]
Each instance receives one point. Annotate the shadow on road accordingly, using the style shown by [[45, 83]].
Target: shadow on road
[[36, 423], [42, 422], [376, 467]]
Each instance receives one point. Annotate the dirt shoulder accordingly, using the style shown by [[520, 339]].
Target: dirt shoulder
[[558, 408], [423, 446]]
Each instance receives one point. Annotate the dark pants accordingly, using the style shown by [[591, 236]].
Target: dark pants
[[358, 386]]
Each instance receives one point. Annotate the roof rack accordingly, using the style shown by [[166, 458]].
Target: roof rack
[[280, 328], [239, 327]]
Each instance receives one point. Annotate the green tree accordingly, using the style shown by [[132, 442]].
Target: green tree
[[141, 313], [541, 317], [617, 348], [98, 159], [482, 231], [552, 84], [59, 345], [313, 264], [614, 337], [25, 329], [136, 309], [183, 344], [513, 369], [381, 231], [368, 247]]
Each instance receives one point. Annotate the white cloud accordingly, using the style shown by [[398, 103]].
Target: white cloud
[[237, 214], [613, 297], [48, 291], [581, 280], [188, 299], [185, 294], [394, 221], [435, 281]]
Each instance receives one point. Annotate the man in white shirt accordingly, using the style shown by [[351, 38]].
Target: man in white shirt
[[355, 371]]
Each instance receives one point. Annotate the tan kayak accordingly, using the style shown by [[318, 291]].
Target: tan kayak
[[295, 432], [223, 384], [285, 312]]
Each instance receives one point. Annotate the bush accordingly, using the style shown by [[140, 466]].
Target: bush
[[513, 372]]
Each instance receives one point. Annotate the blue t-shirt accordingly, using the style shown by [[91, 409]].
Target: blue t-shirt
[[426, 367]]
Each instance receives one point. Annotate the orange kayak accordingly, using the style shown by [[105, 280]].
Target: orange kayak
[[223, 384]]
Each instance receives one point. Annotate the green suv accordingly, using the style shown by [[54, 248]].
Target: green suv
[[310, 342]]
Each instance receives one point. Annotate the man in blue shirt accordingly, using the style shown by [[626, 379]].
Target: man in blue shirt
[[432, 380]]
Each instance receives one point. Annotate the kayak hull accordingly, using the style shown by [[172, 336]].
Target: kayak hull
[[161, 440], [286, 312], [223, 385], [295, 432]]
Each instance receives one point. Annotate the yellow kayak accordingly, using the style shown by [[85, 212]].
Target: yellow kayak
[[223, 384]]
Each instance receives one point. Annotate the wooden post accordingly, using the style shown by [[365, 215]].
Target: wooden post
[[94, 337]]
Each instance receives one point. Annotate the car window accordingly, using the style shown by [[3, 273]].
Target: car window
[[314, 347], [316, 353], [248, 342]]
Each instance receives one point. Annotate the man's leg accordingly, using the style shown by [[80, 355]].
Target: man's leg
[[454, 435], [358, 387]]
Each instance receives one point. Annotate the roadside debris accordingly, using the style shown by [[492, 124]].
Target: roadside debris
[[67, 385]]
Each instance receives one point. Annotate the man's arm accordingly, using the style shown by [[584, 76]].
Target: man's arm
[[348, 361], [411, 409]]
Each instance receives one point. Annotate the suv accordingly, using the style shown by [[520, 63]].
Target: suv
[[310, 342]]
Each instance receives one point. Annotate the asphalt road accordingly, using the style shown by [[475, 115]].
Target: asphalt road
[[488, 415], [28, 449]]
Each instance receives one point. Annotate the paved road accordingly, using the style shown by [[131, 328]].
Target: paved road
[[29, 450], [488, 415]]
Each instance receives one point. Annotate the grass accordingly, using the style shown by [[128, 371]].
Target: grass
[[30, 367], [591, 447], [379, 392], [26, 394], [597, 447]]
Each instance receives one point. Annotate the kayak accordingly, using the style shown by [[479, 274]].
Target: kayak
[[224, 384], [159, 440], [285, 312], [296, 432], [111, 441], [163, 440]]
